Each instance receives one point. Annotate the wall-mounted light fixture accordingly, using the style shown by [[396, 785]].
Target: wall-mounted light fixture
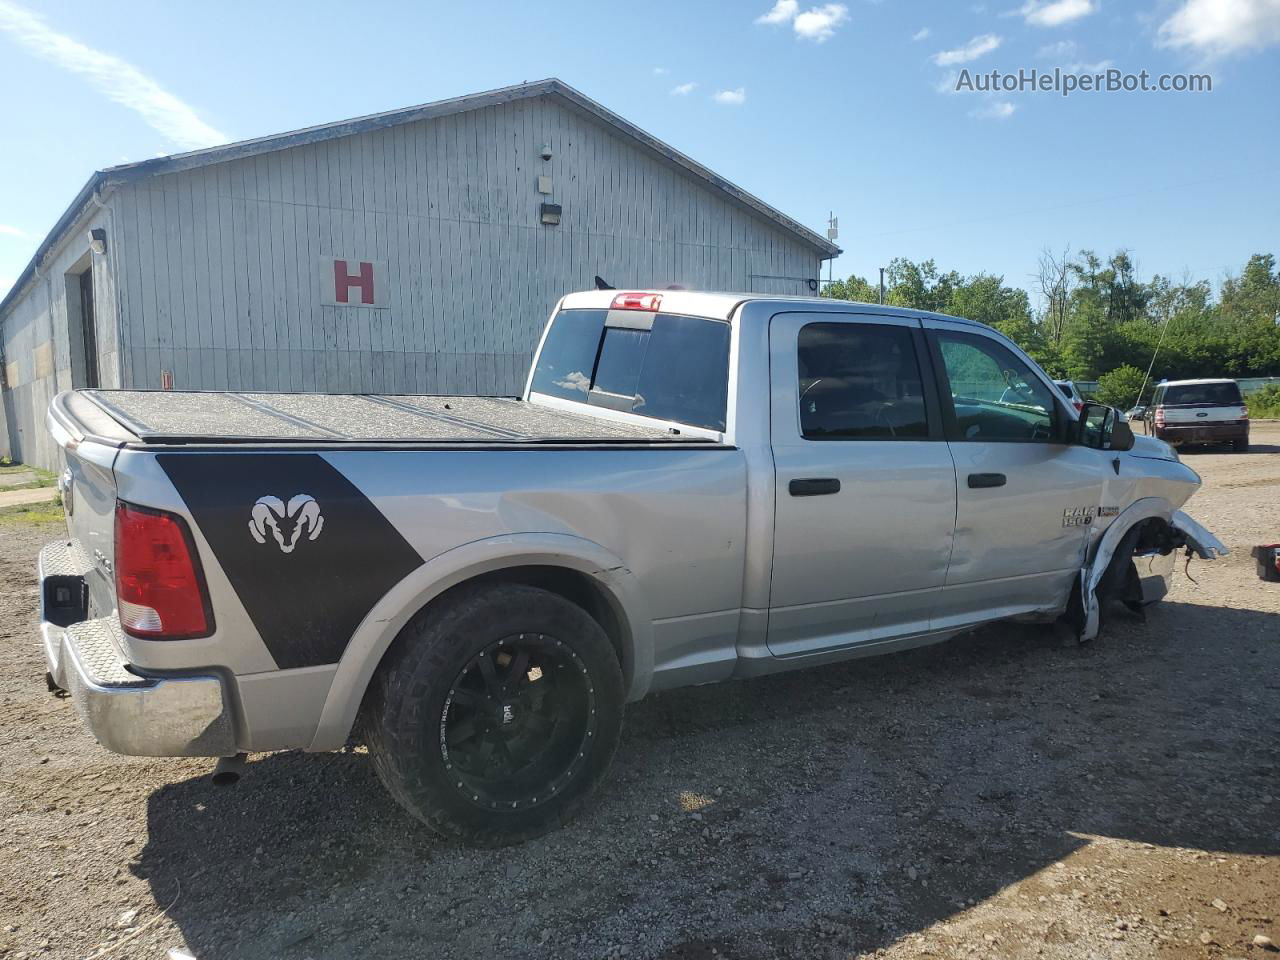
[[98, 240], [551, 214], [545, 153]]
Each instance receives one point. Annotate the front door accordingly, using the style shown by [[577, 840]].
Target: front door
[[865, 492], [1026, 496]]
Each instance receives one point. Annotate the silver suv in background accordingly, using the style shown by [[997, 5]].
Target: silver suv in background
[[1199, 411]]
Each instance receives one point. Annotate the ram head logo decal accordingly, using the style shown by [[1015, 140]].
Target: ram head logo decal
[[286, 521]]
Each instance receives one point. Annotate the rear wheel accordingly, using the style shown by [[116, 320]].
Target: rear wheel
[[1241, 445], [496, 714]]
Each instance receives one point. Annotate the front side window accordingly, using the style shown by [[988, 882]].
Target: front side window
[[678, 370], [994, 395], [859, 382]]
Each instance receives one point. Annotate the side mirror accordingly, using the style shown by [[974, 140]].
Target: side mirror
[[1102, 428], [1121, 435]]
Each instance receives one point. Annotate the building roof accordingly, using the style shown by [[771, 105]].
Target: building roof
[[550, 88]]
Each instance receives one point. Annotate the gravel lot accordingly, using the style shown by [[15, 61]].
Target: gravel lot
[[998, 796]]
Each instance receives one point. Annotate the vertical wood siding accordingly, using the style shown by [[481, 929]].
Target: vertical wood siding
[[222, 282]]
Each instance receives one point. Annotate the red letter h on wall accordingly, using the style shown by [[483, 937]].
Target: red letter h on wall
[[343, 281]]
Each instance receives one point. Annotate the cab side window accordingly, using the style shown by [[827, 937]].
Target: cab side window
[[859, 382], [994, 395]]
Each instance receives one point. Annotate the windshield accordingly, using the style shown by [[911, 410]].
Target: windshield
[[678, 370], [1218, 394]]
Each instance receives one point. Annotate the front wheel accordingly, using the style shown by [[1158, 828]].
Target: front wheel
[[496, 713]]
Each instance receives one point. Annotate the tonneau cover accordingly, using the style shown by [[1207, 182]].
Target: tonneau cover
[[166, 416]]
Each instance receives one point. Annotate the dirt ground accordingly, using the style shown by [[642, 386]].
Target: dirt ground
[[1001, 795]]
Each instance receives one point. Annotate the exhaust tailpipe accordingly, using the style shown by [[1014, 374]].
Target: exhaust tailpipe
[[228, 771]]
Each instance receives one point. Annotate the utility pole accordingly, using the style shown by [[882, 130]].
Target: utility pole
[[882, 286], [833, 232]]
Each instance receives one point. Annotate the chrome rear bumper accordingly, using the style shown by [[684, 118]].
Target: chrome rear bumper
[[144, 716]]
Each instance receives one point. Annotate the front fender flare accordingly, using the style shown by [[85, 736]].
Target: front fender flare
[[388, 617]]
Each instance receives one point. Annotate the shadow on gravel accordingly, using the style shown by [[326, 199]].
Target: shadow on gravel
[[836, 809]]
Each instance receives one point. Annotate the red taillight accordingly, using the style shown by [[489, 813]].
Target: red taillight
[[1159, 416], [1244, 412], [159, 589], [1079, 405], [637, 301]]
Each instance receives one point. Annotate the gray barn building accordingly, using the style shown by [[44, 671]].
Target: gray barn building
[[415, 251]]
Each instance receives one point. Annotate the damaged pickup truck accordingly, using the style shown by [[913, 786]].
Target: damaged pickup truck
[[695, 487]]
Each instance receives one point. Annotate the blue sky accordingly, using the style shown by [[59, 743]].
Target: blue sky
[[811, 106]]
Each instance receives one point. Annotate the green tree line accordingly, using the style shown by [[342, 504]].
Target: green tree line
[[1094, 319]]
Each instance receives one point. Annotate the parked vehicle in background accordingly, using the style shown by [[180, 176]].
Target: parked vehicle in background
[[694, 487], [1199, 412], [1136, 413], [1068, 388]]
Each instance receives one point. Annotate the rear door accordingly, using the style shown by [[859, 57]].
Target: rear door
[[865, 491], [1026, 497]]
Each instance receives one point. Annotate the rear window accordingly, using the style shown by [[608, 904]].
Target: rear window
[[678, 370], [1217, 394]]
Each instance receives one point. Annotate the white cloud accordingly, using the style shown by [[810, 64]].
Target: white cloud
[[660, 71], [733, 98], [998, 110], [948, 83], [1061, 50], [1222, 27], [783, 11], [921, 34], [117, 79], [1054, 13], [683, 89], [816, 23], [975, 48], [8, 231], [6, 283], [819, 24], [1066, 54]]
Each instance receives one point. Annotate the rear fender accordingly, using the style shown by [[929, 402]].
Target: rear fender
[[388, 617]]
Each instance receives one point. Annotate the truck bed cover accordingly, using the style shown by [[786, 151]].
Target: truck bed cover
[[173, 417]]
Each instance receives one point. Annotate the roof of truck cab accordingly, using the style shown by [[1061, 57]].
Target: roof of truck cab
[[1187, 383], [724, 305]]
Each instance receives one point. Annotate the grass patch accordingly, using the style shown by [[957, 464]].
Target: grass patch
[[50, 512], [43, 478]]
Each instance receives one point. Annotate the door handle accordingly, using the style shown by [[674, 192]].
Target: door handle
[[978, 481], [814, 487]]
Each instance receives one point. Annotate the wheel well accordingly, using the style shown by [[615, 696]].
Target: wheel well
[[576, 587]]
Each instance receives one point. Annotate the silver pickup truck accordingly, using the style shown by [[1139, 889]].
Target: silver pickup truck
[[694, 487]]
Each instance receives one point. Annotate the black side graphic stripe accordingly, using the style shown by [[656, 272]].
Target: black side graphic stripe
[[306, 551]]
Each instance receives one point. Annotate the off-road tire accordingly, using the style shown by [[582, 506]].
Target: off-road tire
[[402, 721], [1240, 446]]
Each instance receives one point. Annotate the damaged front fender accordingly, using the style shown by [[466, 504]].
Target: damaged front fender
[[1183, 531], [1203, 543]]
